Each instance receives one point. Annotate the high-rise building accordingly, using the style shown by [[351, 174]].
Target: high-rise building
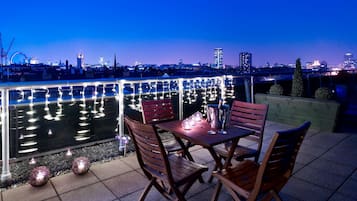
[[218, 58], [348, 60], [245, 61], [80, 60]]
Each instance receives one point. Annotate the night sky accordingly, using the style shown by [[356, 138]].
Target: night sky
[[164, 31]]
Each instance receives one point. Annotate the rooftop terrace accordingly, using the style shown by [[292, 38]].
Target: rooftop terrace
[[326, 169]]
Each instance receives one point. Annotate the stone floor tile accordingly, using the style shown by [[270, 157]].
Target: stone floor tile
[[354, 175], [341, 158], [29, 193], [325, 140], [131, 160], [199, 187], [349, 189], [71, 181], [94, 192], [305, 158], [287, 197], [341, 197], [153, 195], [53, 199], [195, 147], [311, 133], [298, 167], [111, 169], [202, 156], [247, 143], [331, 167], [275, 126], [305, 191], [207, 194], [320, 177], [312, 150], [126, 183]]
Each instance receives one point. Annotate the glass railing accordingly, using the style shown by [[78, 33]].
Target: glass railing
[[38, 117]]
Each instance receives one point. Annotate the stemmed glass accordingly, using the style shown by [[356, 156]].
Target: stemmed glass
[[211, 119], [222, 117]]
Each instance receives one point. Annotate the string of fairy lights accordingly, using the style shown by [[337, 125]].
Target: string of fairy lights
[[90, 99]]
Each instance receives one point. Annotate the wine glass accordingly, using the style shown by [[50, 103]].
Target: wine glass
[[222, 117], [211, 119]]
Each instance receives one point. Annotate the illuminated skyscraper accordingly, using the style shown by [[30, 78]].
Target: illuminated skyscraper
[[348, 60], [218, 58], [80, 60], [245, 61]]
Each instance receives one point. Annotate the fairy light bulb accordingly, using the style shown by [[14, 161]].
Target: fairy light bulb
[[69, 152]]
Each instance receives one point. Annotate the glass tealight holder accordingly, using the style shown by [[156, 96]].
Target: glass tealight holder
[[80, 165], [39, 176], [197, 116], [186, 124]]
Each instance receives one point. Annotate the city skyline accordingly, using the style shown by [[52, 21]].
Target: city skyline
[[160, 32]]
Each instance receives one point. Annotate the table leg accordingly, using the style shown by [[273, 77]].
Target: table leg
[[185, 148], [233, 147], [216, 158]]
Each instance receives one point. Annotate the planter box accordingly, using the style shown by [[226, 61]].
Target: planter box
[[295, 110]]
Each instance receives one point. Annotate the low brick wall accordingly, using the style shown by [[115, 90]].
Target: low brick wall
[[295, 110]]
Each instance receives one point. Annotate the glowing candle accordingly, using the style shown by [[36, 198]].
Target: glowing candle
[[40, 176], [81, 166], [192, 121], [32, 161], [197, 116], [69, 152], [186, 124]]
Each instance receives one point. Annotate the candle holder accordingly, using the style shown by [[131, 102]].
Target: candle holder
[[39, 176], [69, 153], [186, 125], [80, 165], [197, 116], [32, 161]]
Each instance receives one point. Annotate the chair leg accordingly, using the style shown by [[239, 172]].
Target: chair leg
[[275, 195], [147, 189], [216, 191], [179, 195], [211, 177]]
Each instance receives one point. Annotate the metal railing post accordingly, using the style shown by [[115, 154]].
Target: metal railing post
[[121, 107], [252, 88], [180, 92], [222, 87], [5, 173]]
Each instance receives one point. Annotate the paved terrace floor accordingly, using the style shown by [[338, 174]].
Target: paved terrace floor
[[325, 170]]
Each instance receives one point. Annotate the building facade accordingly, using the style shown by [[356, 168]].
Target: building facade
[[245, 61], [80, 60], [349, 62], [218, 58]]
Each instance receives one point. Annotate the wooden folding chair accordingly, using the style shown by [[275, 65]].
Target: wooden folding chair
[[249, 116], [250, 180], [167, 173], [157, 111]]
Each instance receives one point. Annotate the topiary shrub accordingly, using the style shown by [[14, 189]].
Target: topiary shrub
[[323, 93], [298, 84], [276, 89]]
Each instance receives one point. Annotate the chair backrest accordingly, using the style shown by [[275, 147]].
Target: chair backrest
[[249, 116], [279, 160], [157, 111], [149, 148]]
